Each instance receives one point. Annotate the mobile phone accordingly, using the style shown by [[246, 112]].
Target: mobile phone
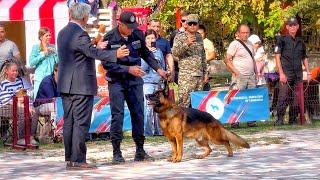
[[153, 44]]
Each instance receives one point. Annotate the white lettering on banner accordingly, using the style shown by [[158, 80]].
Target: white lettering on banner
[[257, 98], [215, 107], [239, 98]]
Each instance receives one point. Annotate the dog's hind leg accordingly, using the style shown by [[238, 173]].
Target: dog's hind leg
[[227, 145], [174, 149], [207, 150]]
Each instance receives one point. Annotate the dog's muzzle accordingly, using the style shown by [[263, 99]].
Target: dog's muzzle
[[152, 99]]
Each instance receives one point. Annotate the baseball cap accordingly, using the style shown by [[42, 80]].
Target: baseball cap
[[129, 19], [254, 39], [193, 18], [291, 21]]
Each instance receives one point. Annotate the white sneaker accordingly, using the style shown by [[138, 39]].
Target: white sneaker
[[259, 82], [33, 141], [21, 142]]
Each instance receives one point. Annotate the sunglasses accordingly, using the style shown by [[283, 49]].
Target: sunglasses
[[183, 20], [192, 23]]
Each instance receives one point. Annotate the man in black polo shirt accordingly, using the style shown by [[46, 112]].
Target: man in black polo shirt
[[290, 54]]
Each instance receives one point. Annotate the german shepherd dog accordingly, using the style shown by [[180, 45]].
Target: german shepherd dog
[[177, 122]]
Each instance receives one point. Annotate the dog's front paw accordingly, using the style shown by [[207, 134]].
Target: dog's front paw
[[176, 160], [230, 155], [170, 158]]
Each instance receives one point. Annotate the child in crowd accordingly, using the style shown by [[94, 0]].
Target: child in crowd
[[11, 84], [259, 57]]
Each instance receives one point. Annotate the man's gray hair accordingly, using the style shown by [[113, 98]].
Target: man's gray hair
[[79, 10]]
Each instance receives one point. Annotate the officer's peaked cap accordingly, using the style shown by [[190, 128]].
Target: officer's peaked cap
[[291, 20], [129, 19]]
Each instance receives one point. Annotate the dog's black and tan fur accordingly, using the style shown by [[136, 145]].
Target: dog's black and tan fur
[[177, 122]]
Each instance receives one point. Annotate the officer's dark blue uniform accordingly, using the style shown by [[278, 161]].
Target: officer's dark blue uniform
[[127, 87]]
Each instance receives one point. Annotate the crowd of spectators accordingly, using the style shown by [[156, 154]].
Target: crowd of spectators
[[14, 77]]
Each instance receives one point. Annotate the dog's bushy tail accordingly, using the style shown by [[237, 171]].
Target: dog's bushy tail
[[237, 140]]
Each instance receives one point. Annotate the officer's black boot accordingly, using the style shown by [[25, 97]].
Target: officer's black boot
[[141, 155], [117, 154]]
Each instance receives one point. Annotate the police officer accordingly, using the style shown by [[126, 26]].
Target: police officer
[[290, 55], [125, 83]]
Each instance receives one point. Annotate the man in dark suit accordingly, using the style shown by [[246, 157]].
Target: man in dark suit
[[77, 82]]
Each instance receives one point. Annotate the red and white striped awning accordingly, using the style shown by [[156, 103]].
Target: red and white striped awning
[[36, 13]]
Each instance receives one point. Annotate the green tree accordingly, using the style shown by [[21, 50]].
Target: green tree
[[266, 17]]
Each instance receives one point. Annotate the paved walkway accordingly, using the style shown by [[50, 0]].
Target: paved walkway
[[291, 155]]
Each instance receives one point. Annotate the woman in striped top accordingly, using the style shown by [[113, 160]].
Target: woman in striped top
[[10, 84]]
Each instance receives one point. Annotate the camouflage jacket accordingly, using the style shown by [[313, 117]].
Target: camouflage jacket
[[192, 58]]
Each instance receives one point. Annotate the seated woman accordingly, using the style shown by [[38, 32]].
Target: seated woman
[[47, 89], [45, 105], [151, 83], [10, 85]]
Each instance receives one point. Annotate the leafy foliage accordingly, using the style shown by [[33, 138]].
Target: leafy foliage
[[266, 17]]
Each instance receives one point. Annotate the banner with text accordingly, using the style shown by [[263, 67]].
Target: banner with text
[[234, 105], [100, 119]]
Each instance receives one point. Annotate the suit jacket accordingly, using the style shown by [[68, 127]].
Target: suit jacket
[[77, 73]]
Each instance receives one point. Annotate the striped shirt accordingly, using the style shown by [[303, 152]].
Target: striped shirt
[[8, 89]]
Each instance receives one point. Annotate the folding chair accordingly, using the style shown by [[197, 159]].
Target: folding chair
[[11, 117]]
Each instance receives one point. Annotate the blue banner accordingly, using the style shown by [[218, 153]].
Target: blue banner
[[100, 119], [234, 105]]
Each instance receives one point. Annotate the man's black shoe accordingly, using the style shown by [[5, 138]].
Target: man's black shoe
[[80, 166], [117, 154], [293, 123], [118, 159], [278, 123], [235, 125], [252, 124], [142, 156]]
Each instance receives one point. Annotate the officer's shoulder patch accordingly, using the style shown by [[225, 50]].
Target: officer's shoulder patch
[[115, 46], [136, 42]]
